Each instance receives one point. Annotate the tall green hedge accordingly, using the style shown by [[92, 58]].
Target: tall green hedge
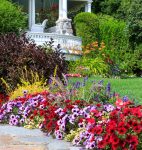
[[87, 27], [105, 28], [113, 32], [11, 17]]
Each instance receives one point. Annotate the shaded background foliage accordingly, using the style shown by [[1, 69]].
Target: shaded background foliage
[[128, 10]]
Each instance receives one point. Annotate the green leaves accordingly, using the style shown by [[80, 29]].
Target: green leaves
[[11, 17]]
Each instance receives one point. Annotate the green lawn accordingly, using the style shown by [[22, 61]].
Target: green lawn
[[131, 87]]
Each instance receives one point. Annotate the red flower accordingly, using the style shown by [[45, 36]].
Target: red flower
[[57, 127], [122, 130], [112, 124], [130, 123], [114, 139], [114, 146], [92, 139], [106, 138], [98, 105], [114, 114], [69, 107], [102, 144], [122, 143], [77, 101], [98, 130], [90, 120], [67, 101], [95, 111], [80, 120], [134, 124], [31, 117], [137, 112], [41, 112], [119, 103], [48, 126], [132, 139], [35, 112], [127, 111], [110, 130], [137, 129], [121, 124], [64, 110]]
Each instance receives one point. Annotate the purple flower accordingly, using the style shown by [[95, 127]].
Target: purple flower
[[125, 99], [41, 107], [75, 109], [1, 117], [41, 126], [109, 107], [12, 116], [25, 92], [81, 125], [14, 122], [21, 108], [74, 116], [9, 109], [25, 115], [108, 88], [65, 118], [58, 110], [58, 135], [76, 141], [71, 120], [86, 115], [59, 122], [90, 145], [35, 104], [62, 127], [22, 121], [98, 138]]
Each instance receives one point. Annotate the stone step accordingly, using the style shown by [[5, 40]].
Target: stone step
[[19, 138]]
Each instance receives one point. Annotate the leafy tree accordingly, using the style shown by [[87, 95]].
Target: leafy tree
[[128, 10], [11, 17]]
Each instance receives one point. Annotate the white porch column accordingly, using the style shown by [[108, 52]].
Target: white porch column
[[31, 13], [63, 9], [63, 24], [88, 6]]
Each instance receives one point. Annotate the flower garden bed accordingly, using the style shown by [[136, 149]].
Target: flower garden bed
[[90, 125]]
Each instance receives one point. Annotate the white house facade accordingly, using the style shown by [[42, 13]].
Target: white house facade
[[62, 32]]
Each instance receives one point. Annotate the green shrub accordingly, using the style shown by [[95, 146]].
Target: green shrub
[[89, 66], [11, 17], [114, 33], [87, 27], [130, 62], [99, 28]]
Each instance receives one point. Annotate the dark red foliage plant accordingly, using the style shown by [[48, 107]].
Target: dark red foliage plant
[[17, 52]]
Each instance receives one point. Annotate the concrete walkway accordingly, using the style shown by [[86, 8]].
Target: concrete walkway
[[19, 138]]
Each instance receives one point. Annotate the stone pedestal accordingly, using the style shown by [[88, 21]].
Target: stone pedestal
[[63, 26]]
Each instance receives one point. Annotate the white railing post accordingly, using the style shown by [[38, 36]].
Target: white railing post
[[63, 9], [33, 12], [30, 14], [88, 6]]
